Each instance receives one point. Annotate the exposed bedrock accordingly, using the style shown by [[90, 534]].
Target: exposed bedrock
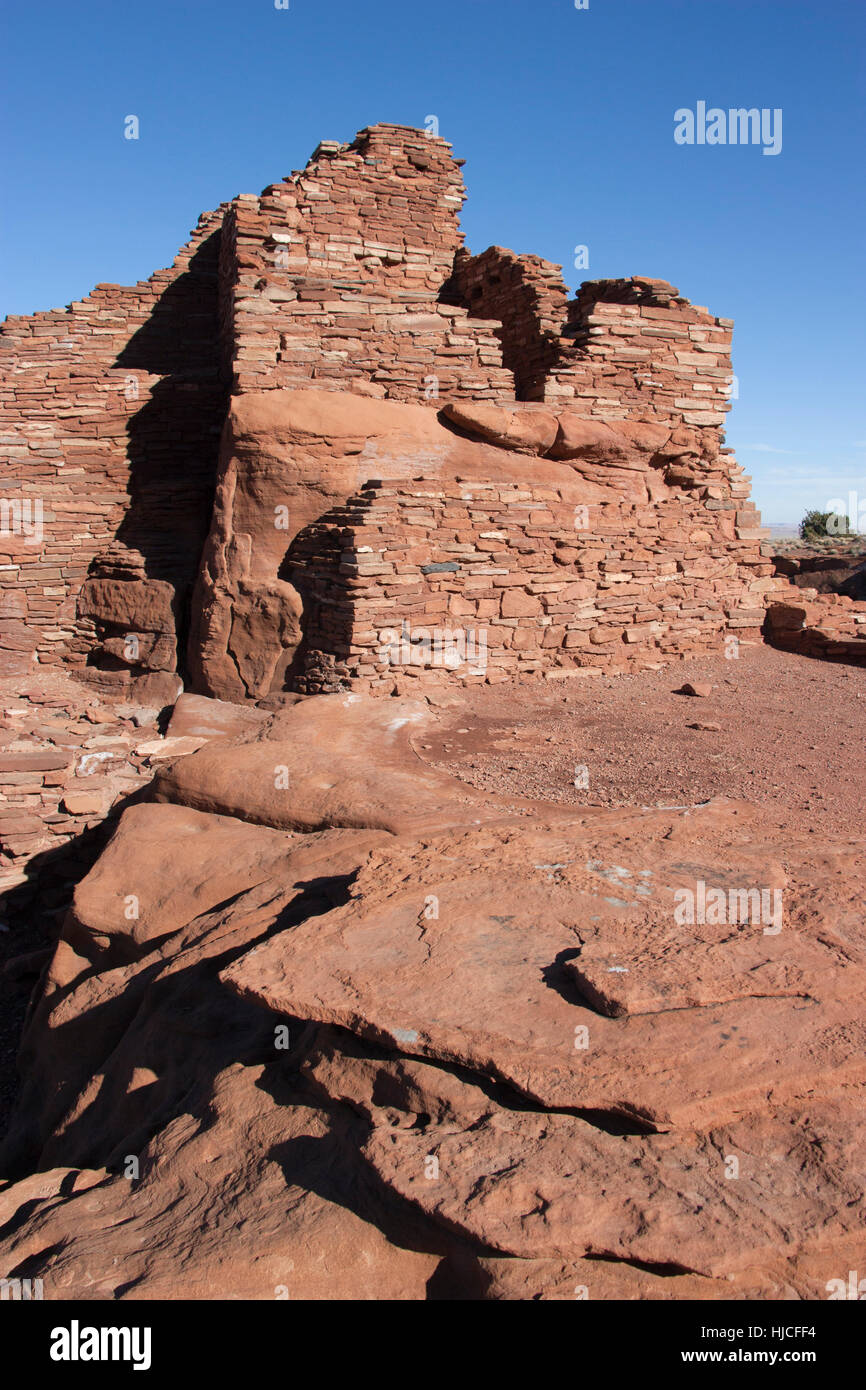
[[325, 1023], [571, 543]]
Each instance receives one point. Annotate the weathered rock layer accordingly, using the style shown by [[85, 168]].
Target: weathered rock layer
[[322, 1022]]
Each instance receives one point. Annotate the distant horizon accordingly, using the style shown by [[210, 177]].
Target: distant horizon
[[794, 527]]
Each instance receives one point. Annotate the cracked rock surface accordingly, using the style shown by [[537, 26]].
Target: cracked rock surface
[[325, 1022]]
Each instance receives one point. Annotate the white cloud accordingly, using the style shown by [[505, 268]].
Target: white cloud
[[812, 478], [764, 449]]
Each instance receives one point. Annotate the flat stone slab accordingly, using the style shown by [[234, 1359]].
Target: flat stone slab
[[648, 965], [330, 761], [535, 1185], [464, 948], [140, 890], [199, 716]]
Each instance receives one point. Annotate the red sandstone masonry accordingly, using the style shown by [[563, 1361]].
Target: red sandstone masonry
[[504, 565], [335, 277], [109, 410], [622, 349], [528, 298], [636, 344], [349, 274], [828, 626]]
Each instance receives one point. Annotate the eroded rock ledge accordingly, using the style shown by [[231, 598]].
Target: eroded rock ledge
[[322, 1018]]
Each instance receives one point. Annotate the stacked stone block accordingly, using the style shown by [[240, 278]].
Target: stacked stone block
[[335, 277], [541, 583], [830, 627], [110, 413], [636, 346], [621, 349], [527, 297], [350, 275]]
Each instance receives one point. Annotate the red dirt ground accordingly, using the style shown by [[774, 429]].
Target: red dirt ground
[[792, 736]]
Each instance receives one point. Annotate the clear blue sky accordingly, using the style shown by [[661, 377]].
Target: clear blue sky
[[566, 120]]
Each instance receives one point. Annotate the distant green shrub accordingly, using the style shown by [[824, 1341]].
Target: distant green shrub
[[817, 524]]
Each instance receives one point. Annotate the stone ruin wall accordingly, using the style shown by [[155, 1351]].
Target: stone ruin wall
[[622, 349], [110, 413], [348, 275], [334, 277], [527, 577], [638, 345], [527, 296]]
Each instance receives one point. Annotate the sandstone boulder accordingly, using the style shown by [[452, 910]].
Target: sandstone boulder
[[197, 716], [141, 890], [526, 431], [333, 760], [137, 605]]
